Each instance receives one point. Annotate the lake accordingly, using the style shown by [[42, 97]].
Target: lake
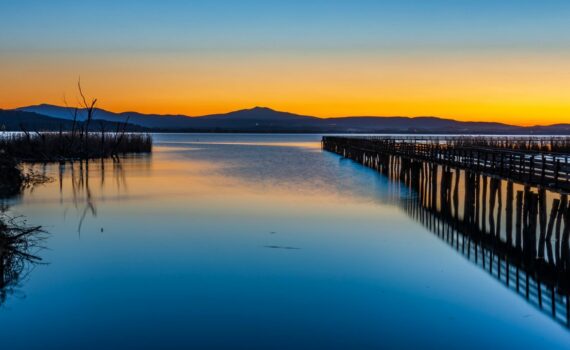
[[249, 241]]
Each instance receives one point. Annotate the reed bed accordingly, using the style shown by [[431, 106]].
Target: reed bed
[[66, 146]]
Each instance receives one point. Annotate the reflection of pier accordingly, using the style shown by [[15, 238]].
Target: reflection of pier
[[516, 230], [538, 284]]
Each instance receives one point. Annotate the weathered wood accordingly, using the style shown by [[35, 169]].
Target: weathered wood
[[533, 161]]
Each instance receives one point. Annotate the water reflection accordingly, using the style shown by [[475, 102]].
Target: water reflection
[[274, 246], [81, 184], [511, 237], [19, 247]]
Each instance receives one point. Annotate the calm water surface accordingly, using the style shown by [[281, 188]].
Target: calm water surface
[[249, 241]]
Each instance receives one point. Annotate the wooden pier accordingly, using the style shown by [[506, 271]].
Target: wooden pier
[[538, 161], [503, 208]]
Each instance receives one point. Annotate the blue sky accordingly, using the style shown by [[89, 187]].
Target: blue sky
[[471, 60], [252, 25]]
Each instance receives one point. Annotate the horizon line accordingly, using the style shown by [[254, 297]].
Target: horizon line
[[259, 106]]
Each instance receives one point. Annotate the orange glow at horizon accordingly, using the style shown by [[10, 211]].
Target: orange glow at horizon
[[514, 89]]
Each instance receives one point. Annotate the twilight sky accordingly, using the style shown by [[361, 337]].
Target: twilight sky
[[471, 60]]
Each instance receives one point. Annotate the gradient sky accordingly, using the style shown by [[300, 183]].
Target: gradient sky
[[471, 60]]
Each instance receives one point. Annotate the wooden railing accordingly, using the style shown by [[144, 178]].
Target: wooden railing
[[537, 167]]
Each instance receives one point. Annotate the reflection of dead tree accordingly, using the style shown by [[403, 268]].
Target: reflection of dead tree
[[79, 185], [19, 244], [89, 204], [80, 181]]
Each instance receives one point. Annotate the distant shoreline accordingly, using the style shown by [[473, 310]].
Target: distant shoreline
[[257, 120]]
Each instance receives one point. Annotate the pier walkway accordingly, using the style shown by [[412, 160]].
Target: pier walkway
[[532, 161]]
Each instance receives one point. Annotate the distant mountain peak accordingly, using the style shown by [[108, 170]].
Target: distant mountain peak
[[265, 119], [261, 108], [258, 112]]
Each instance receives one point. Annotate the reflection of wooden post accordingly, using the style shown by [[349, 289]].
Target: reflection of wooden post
[[519, 218], [525, 220], [492, 198], [448, 190], [467, 197], [509, 212], [499, 266], [477, 184], [553, 303], [565, 237], [539, 292], [561, 210], [508, 272], [428, 184], [500, 207], [530, 231], [484, 209], [527, 286], [568, 310], [552, 219], [434, 186], [449, 185], [456, 192], [442, 192], [542, 221]]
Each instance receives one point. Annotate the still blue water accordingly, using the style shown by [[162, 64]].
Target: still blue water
[[249, 241]]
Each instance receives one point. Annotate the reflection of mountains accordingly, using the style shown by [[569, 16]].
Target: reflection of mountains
[[511, 237]]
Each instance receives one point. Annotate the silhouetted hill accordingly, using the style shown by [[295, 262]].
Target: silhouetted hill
[[260, 119], [148, 121], [15, 120]]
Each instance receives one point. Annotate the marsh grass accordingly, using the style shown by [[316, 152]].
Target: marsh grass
[[67, 146]]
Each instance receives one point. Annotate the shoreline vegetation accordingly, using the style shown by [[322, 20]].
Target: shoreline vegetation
[[60, 147], [80, 142], [69, 146], [19, 245]]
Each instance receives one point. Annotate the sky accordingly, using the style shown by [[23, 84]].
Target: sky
[[481, 60]]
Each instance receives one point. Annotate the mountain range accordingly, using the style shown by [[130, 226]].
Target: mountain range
[[258, 119]]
